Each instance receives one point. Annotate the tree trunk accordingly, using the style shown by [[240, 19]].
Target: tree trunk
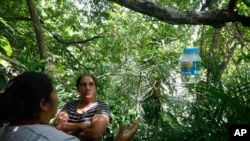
[[37, 27]]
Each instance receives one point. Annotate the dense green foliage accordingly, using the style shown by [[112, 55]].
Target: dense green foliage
[[136, 60]]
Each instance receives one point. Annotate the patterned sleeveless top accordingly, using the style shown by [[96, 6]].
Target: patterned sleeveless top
[[74, 117]]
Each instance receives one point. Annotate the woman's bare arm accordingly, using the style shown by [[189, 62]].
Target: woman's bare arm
[[128, 136], [97, 128], [72, 128], [61, 123]]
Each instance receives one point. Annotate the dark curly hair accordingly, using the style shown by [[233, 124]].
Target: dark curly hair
[[21, 97]]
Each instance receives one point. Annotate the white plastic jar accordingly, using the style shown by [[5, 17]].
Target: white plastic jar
[[190, 65]]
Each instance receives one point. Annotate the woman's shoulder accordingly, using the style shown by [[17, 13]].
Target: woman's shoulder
[[52, 133], [36, 132], [102, 105], [101, 102], [103, 108]]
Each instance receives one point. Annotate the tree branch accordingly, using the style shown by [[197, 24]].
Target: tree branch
[[12, 61], [214, 17], [37, 27], [19, 18], [70, 42]]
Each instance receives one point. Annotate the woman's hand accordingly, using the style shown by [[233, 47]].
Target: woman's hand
[[128, 136], [60, 120], [63, 116]]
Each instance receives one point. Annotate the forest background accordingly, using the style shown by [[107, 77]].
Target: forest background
[[133, 47]]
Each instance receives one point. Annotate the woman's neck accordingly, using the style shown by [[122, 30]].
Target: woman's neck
[[85, 102], [84, 106]]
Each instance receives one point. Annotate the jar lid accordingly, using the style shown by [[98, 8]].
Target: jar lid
[[191, 50]]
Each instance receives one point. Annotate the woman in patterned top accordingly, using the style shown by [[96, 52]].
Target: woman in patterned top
[[86, 118], [28, 103]]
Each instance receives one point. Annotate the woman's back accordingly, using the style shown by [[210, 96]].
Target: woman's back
[[36, 132]]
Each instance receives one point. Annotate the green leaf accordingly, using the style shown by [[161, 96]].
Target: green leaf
[[247, 2], [4, 63], [5, 45]]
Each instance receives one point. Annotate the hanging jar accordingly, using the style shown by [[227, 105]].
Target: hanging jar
[[190, 65]]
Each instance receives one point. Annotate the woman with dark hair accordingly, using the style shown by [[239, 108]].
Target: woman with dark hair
[[86, 118], [28, 104]]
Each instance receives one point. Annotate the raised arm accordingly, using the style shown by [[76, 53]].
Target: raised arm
[[127, 136]]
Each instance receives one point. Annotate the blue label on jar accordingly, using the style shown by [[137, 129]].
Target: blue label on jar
[[191, 68], [186, 68], [196, 67]]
